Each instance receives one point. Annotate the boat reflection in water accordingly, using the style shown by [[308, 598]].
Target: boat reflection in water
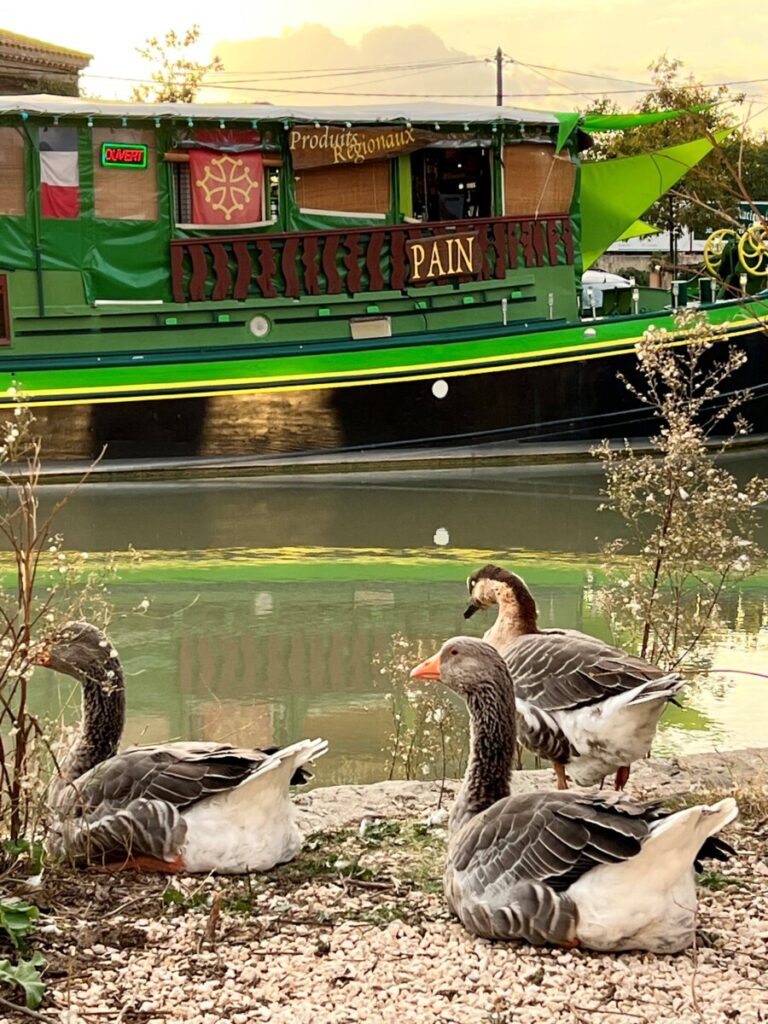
[[274, 604]]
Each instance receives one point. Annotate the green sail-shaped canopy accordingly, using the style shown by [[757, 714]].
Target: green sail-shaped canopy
[[620, 122], [568, 123], [614, 193], [637, 229]]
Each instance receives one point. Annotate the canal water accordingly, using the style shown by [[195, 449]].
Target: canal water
[[293, 607]]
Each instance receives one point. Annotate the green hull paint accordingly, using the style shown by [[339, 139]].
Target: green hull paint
[[194, 366]]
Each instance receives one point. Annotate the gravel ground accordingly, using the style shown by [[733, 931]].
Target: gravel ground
[[356, 930]]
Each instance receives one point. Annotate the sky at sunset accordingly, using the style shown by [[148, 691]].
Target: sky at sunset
[[278, 52]]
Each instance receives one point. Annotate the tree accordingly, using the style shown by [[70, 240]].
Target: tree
[[708, 195], [689, 524], [177, 78]]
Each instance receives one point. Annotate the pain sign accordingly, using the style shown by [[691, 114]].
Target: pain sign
[[124, 154], [444, 256]]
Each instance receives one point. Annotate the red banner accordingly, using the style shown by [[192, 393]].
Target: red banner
[[227, 188]]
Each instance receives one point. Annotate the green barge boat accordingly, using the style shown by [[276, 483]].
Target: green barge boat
[[186, 280]]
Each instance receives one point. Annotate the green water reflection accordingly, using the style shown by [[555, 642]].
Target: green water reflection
[[270, 603]]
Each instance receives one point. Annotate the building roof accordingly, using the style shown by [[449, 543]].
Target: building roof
[[416, 113], [35, 51], [647, 245]]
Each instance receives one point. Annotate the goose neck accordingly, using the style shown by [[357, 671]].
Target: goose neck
[[491, 753], [102, 721], [515, 618]]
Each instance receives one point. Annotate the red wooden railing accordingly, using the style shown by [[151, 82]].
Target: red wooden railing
[[353, 260]]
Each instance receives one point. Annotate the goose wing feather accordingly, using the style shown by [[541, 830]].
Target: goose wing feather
[[112, 834], [178, 774], [559, 671], [551, 838], [539, 731]]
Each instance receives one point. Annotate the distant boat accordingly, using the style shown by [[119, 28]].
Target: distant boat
[[187, 280]]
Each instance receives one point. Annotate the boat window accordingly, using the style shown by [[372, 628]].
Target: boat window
[[273, 192], [537, 180], [125, 174], [362, 189], [224, 189], [12, 190], [182, 193], [451, 183]]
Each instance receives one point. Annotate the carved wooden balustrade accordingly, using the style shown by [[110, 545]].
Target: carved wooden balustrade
[[354, 260]]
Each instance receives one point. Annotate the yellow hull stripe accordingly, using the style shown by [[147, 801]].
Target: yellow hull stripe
[[315, 382]]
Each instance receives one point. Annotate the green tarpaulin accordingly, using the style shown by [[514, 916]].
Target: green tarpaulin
[[614, 193]]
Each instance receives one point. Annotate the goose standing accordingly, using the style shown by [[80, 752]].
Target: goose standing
[[568, 869], [580, 702], [170, 807]]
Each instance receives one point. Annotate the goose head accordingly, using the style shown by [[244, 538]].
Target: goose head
[[85, 653], [517, 609], [82, 651], [470, 667]]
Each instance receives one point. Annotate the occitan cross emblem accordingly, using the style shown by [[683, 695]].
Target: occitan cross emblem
[[227, 185]]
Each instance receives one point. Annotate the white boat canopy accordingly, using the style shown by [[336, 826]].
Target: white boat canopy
[[415, 113]]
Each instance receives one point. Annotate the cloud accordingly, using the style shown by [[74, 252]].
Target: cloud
[[313, 66]]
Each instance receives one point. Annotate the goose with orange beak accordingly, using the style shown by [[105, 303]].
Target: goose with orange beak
[[567, 869]]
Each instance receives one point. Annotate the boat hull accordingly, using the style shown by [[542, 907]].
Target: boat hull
[[548, 395]]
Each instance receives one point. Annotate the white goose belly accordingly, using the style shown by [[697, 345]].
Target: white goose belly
[[620, 908], [229, 835], [605, 742]]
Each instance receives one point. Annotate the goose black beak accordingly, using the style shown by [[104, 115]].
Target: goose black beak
[[471, 608], [429, 669]]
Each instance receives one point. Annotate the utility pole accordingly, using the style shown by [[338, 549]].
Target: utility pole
[[499, 79]]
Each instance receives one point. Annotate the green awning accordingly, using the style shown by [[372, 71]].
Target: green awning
[[614, 193]]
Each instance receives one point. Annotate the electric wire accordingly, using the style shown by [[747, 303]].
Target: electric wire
[[346, 72], [268, 84]]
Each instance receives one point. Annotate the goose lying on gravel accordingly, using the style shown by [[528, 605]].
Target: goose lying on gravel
[[580, 702], [563, 868], [168, 807]]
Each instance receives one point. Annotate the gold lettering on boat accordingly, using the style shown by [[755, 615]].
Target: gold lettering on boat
[[331, 144], [465, 254], [443, 256], [418, 256], [436, 268]]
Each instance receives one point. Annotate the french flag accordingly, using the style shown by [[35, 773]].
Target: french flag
[[59, 172]]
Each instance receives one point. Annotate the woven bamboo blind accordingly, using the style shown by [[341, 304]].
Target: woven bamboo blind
[[537, 180], [125, 193], [347, 188], [12, 191]]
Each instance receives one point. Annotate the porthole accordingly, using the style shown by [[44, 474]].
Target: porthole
[[260, 326]]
